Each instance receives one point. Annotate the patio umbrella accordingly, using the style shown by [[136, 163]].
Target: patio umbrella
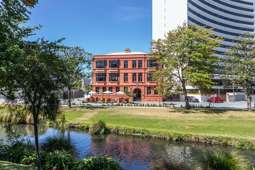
[[92, 92], [107, 92]]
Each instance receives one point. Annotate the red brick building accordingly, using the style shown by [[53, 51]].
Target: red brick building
[[124, 77]]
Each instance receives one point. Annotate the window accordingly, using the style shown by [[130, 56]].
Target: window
[[126, 89], [149, 77], [140, 63], [134, 64], [140, 77], [151, 63], [126, 64], [117, 89], [134, 77], [97, 89], [104, 89], [100, 77], [110, 89], [114, 63], [125, 77], [101, 64], [155, 91], [114, 77], [148, 90]]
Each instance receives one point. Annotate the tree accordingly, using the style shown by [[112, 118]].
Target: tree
[[186, 57], [32, 69], [13, 15], [240, 65], [77, 65], [39, 78]]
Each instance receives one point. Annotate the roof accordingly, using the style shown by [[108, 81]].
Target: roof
[[122, 54], [127, 53]]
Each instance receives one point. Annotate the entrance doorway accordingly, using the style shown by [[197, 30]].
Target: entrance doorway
[[137, 93]]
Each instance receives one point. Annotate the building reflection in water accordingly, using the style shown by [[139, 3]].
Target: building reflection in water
[[124, 149], [134, 152]]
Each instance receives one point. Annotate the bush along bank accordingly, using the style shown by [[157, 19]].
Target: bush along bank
[[173, 137], [61, 157]]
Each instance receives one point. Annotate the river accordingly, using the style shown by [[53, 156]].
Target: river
[[132, 153]]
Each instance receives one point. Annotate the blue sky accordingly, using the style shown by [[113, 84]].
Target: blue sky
[[98, 26]]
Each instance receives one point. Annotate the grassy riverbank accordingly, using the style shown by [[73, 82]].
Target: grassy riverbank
[[230, 127], [224, 126]]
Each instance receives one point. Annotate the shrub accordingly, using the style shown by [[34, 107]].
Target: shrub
[[98, 163], [224, 161], [58, 143], [29, 160], [4, 152], [99, 128], [58, 160], [16, 151]]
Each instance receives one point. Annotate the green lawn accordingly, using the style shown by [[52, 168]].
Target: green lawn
[[73, 114], [235, 124], [12, 166]]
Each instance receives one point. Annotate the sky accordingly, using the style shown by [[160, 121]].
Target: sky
[[98, 26]]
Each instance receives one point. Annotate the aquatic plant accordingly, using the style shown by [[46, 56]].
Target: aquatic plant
[[99, 128], [98, 163], [15, 115], [219, 160]]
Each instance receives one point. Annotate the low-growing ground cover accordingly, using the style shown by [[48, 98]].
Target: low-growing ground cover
[[8, 165]]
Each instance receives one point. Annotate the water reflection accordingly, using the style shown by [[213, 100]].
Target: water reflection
[[9, 132], [133, 153]]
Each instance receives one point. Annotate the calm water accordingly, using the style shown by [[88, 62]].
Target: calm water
[[131, 153]]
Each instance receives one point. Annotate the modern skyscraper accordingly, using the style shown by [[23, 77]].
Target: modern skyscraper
[[228, 18], [167, 15]]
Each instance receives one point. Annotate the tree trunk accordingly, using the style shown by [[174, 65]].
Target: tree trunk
[[69, 97], [35, 117], [249, 100], [185, 93]]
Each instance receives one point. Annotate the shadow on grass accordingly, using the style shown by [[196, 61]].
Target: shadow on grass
[[92, 107]]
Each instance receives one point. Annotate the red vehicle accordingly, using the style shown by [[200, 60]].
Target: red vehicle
[[216, 99]]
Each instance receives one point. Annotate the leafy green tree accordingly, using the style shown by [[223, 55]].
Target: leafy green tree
[[77, 66], [13, 15], [186, 56], [240, 65], [30, 69], [39, 78], [33, 71]]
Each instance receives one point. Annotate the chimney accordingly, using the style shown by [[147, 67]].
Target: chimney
[[127, 50]]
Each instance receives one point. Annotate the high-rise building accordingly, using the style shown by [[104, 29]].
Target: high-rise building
[[228, 18], [167, 15]]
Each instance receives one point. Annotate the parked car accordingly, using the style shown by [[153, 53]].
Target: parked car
[[216, 99], [193, 99]]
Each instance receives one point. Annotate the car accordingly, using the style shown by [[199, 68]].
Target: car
[[193, 99], [216, 99]]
